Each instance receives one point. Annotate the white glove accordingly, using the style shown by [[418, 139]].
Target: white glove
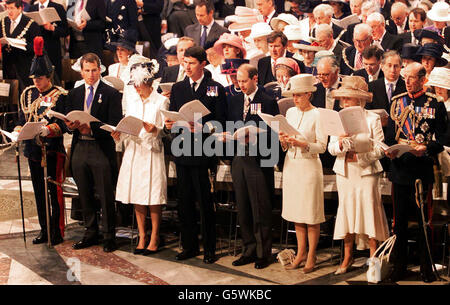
[[347, 144], [44, 131]]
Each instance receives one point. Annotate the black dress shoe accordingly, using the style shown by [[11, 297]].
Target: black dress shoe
[[56, 240], [41, 238], [84, 243], [243, 260], [397, 275], [109, 246], [427, 275], [186, 255], [262, 263], [137, 251], [150, 252], [209, 258]]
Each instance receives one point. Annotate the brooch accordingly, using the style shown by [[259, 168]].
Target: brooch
[[100, 98], [123, 7], [120, 17], [424, 127]]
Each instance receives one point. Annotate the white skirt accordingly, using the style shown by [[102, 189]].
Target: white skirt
[[303, 191], [360, 208]]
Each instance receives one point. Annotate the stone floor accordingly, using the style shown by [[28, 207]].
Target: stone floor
[[25, 263]]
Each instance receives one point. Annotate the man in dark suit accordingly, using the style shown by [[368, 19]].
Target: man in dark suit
[[277, 42], [267, 9], [328, 74], [324, 37], [372, 64], [206, 30], [383, 39], [176, 16], [17, 62], [398, 22], [93, 157], [391, 84], [367, 8], [416, 21], [53, 32], [192, 163], [87, 37], [385, 8], [425, 132], [253, 180], [150, 12], [322, 15], [352, 55]]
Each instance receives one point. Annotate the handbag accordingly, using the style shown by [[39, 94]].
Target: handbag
[[379, 264], [286, 257]]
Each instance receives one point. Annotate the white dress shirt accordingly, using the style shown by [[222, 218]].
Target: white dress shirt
[[43, 5], [86, 94], [375, 76], [14, 23], [197, 82]]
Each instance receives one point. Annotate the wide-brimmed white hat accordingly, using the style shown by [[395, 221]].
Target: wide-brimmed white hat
[[439, 77], [260, 29], [77, 66], [308, 45], [353, 86], [293, 32], [439, 12], [288, 18], [300, 83]]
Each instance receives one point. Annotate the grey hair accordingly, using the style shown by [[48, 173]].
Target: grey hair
[[325, 8], [362, 27], [399, 5], [332, 61], [325, 28], [369, 6], [376, 17], [391, 53]]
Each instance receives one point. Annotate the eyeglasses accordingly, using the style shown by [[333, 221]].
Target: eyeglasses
[[361, 41], [323, 75]]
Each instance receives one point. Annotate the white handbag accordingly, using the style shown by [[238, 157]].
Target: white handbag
[[379, 265]]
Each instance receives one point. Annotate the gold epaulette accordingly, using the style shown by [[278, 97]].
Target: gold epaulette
[[62, 90], [431, 95], [399, 95]]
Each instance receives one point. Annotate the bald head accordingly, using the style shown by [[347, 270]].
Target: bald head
[[362, 37]]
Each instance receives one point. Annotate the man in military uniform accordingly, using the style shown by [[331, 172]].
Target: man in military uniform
[[35, 102], [419, 120], [16, 61]]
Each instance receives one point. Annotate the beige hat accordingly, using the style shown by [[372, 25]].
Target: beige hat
[[353, 86], [439, 12], [293, 32], [300, 83], [288, 18], [260, 29], [439, 77]]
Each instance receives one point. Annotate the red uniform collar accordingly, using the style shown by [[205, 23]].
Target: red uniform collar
[[417, 94]]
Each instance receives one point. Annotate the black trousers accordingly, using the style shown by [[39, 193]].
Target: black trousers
[[37, 179], [193, 185], [92, 173], [404, 207], [252, 185]]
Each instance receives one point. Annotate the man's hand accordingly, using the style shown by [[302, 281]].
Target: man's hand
[[166, 94], [419, 150], [49, 27], [115, 135], [82, 24], [84, 129], [169, 124], [150, 128], [391, 155]]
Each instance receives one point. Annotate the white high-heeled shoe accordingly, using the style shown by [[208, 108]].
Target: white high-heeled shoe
[[342, 270]]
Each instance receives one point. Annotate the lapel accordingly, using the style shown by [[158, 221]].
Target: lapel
[[212, 32], [382, 88], [239, 107], [201, 90], [198, 30], [95, 104]]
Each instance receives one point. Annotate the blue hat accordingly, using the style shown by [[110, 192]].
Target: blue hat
[[434, 50], [409, 51], [421, 33], [231, 66], [127, 40]]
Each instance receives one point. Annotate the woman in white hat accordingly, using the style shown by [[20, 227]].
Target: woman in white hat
[[294, 34], [259, 34], [142, 177], [360, 215], [303, 201], [282, 20], [440, 15]]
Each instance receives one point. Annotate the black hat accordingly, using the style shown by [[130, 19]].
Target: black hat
[[308, 6], [421, 33], [40, 65], [434, 50], [345, 5], [127, 40], [409, 51], [171, 51]]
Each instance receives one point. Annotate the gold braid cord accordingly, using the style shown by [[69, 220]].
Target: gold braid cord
[[400, 120], [344, 57], [30, 108], [24, 31]]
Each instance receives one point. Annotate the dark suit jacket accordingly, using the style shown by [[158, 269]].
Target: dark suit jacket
[[391, 27], [391, 42], [447, 36], [363, 73], [108, 111], [235, 111], [380, 98], [181, 94], [265, 74], [52, 40], [194, 31], [170, 74], [319, 101], [17, 59], [94, 30], [338, 51], [348, 60]]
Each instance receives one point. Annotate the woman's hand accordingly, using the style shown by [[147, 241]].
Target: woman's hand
[[391, 155], [115, 135], [341, 137], [169, 124], [297, 143], [150, 128]]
